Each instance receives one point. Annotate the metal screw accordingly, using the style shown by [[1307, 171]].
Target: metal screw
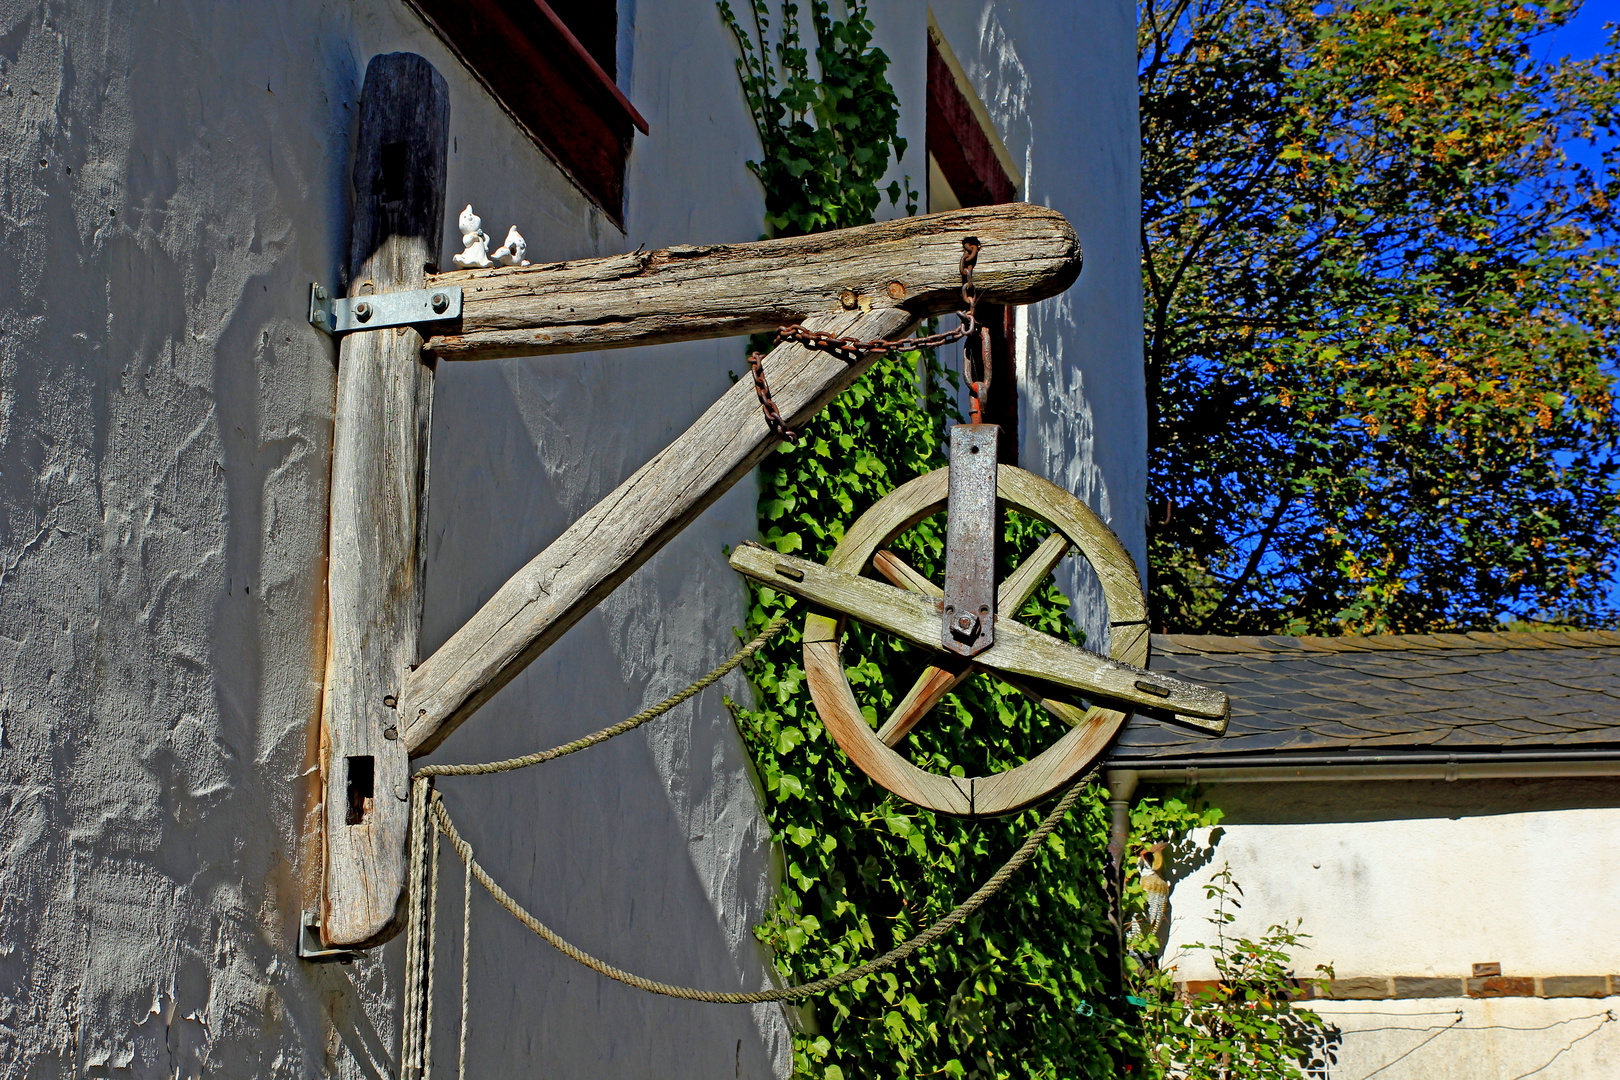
[[391, 733], [440, 301], [362, 311]]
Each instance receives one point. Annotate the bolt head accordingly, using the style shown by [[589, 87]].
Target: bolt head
[[362, 311], [440, 301]]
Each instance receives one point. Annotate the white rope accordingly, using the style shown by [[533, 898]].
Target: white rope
[[410, 1049], [466, 946], [431, 955]]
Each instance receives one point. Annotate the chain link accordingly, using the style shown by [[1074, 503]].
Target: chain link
[[851, 349]]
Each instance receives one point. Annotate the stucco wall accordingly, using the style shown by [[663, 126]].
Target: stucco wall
[[173, 176], [1425, 879], [1059, 81]]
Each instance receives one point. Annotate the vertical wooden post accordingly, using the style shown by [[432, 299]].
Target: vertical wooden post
[[379, 472]]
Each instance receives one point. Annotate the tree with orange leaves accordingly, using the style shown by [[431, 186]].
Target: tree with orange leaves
[[1382, 316]]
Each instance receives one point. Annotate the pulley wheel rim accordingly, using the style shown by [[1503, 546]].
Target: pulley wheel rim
[[1055, 767]]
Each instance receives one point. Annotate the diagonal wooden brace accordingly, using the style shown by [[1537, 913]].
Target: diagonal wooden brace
[[589, 560]]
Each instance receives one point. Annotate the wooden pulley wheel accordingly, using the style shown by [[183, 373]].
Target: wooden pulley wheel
[[1037, 664]]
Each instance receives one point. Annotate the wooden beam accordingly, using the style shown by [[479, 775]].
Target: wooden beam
[[624, 530], [1020, 652], [682, 293], [379, 460]]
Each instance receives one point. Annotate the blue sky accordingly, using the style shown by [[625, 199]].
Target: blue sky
[[1584, 35]]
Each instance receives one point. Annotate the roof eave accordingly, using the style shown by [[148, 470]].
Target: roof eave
[[1414, 765]]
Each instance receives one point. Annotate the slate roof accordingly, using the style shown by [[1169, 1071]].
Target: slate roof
[[1390, 697]]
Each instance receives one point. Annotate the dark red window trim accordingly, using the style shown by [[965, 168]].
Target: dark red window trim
[[959, 144], [550, 84], [970, 165]]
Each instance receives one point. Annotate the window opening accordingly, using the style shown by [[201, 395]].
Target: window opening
[[968, 165], [554, 74]]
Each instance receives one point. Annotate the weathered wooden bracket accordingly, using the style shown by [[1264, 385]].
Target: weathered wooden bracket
[[379, 465], [380, 705], [870, 282]]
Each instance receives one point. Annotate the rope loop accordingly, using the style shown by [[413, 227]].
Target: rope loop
[[540, 757], [813, 988]]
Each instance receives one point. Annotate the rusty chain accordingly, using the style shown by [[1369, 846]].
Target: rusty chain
[[849, 349]]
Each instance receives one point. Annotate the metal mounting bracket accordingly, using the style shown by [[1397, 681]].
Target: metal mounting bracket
[[309, 943], [969, 607], [341, 315]]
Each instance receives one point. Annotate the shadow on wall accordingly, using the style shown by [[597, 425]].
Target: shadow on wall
[[1405, 800]]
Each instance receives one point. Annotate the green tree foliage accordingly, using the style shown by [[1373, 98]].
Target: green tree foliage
[[1019, 990], [1381, 316]]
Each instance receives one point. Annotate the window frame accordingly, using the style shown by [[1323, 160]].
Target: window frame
[[540, 74], [966, 152]]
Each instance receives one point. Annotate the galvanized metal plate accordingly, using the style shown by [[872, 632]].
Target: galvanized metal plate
[[969, 615], [342, 315]]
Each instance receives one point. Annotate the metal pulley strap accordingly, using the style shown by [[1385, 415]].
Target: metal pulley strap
[[345, 314], [969, 611], [849, 349]]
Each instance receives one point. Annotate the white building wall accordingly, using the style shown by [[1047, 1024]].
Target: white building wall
[[1423, 879], [1059, 81], [165, 420]]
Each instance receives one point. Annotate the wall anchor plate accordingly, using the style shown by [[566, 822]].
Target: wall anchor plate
[[309, 943], [344, 314]]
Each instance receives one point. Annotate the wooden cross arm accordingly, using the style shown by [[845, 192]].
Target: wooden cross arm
[[680, 293], [1018, 650]]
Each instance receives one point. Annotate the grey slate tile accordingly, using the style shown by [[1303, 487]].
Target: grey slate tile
[[1476, 691]]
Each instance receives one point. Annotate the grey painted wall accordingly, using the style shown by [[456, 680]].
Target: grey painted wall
[[172, 176]]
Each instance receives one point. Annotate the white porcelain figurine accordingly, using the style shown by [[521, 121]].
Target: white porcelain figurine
[[473, 237], [511, 253]]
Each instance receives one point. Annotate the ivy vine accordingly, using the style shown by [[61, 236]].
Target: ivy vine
[[1023, 988], [1020, 990]]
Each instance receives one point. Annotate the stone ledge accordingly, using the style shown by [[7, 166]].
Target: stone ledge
[[1502, 986], [1586, 986], [1410, 987]]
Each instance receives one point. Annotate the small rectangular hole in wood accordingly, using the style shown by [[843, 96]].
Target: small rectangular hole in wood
[[362, 787], [390, 182]]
